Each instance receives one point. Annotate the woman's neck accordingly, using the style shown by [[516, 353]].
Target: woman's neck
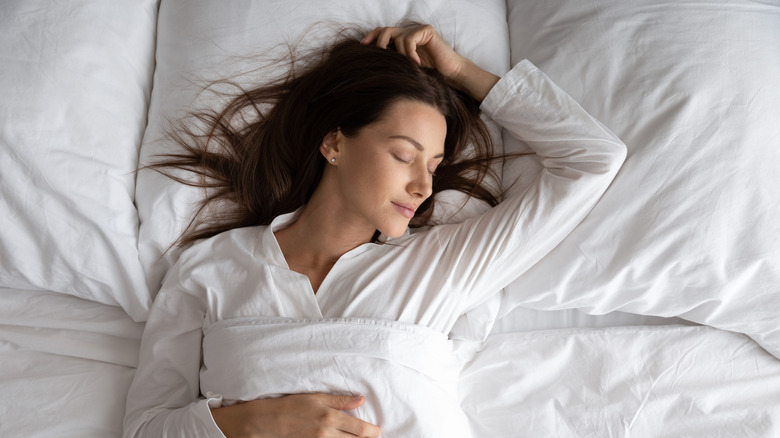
[[322, 233]]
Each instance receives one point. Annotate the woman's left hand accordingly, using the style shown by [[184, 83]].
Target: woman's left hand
[[427, 48], [423, 45]]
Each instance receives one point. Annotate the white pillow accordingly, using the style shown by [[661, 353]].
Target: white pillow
[[690, 226], [202, 41], [74, 88]]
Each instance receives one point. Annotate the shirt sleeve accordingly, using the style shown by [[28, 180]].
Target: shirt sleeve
[[164, 399], [580, 158]]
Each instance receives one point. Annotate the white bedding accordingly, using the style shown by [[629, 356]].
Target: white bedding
[[688, 229], [690, 225], [670, 381], [65, 365], [630, 381], [407, 373], [68, 363], [75, 83]]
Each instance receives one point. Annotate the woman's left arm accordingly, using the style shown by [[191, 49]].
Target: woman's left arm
[[579, 156]]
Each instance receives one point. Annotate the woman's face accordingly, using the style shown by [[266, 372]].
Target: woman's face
[[386, 171]]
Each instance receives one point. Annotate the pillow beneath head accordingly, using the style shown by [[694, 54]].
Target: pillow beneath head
[[690, 225], [211, 41], [74, 87]]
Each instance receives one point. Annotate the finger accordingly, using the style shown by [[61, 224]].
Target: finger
[[371, 36], [400, 45], [341, 402], [410, 50], [358, 427], [385, 37]]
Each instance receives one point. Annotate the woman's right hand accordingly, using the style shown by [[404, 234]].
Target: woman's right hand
[[293, 416]]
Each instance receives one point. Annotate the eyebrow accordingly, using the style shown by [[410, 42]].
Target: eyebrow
[[414, 143]]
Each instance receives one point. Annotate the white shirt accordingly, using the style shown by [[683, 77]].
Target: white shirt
[[427, 278]]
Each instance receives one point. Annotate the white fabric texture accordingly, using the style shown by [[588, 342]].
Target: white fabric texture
[[65, 365], [64, 362], [407, 373], [200, 42], [671, 381], [74, 90], [241, 274], [690, 227]]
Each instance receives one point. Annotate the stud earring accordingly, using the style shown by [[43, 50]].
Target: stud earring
[[333, 160]]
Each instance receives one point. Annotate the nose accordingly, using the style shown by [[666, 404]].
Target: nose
[[421, 184]]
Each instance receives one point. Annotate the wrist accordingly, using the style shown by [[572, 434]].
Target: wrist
[[474, 80]]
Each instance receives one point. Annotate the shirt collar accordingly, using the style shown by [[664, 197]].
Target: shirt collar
[[269, 248]]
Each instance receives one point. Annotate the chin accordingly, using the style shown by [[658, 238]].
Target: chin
[[395, 231]]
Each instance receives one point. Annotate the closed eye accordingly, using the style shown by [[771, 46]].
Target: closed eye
[[402, 159]]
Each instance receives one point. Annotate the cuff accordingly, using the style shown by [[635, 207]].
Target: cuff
[[507, 87], [203, 413]]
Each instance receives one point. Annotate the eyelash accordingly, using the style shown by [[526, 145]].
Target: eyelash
[[402, 160], [409, 162]]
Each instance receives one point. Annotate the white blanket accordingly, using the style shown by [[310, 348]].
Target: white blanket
[[628, 381], [407, 373], [670, 381], [65, 365]]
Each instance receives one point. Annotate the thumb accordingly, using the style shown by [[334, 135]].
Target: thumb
[[342, 402]]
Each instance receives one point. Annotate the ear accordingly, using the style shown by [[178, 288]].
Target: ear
[[331, 144]]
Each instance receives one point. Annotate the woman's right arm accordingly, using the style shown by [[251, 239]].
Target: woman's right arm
[[165, 401], [164, 398]]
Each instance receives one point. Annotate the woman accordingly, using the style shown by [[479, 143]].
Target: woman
[[312, 299]]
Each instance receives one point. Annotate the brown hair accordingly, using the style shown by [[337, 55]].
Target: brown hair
[[258, 157]]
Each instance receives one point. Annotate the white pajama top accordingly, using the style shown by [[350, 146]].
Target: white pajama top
[[426, 279]]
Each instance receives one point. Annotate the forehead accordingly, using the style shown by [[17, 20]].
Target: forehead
[[419, 121]]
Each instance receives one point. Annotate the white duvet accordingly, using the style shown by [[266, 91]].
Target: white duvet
[[407, 373], [671, 381], [66, 365]]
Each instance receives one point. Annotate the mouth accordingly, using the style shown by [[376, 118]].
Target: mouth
[[407, 210]]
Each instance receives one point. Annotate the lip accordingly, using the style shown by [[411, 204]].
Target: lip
[[407, 210]]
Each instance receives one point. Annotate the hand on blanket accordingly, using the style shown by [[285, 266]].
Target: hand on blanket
[[427, 48], [299, 415]]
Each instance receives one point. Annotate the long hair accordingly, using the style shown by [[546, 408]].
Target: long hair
[[258, 157]]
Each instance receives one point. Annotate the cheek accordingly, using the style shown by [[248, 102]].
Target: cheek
[[374, 182], [359, 181], [368, 167]]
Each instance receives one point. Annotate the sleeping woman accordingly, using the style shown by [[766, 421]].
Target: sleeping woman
[[304, 306]]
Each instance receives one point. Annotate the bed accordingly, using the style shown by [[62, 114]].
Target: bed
[[659, 315]]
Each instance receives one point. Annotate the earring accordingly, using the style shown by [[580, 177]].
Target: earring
[[333, 160]]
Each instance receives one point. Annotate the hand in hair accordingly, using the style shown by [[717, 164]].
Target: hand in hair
[[427, 48], [301, 415]]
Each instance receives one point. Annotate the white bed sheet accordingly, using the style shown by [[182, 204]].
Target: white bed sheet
[[65, 365]]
